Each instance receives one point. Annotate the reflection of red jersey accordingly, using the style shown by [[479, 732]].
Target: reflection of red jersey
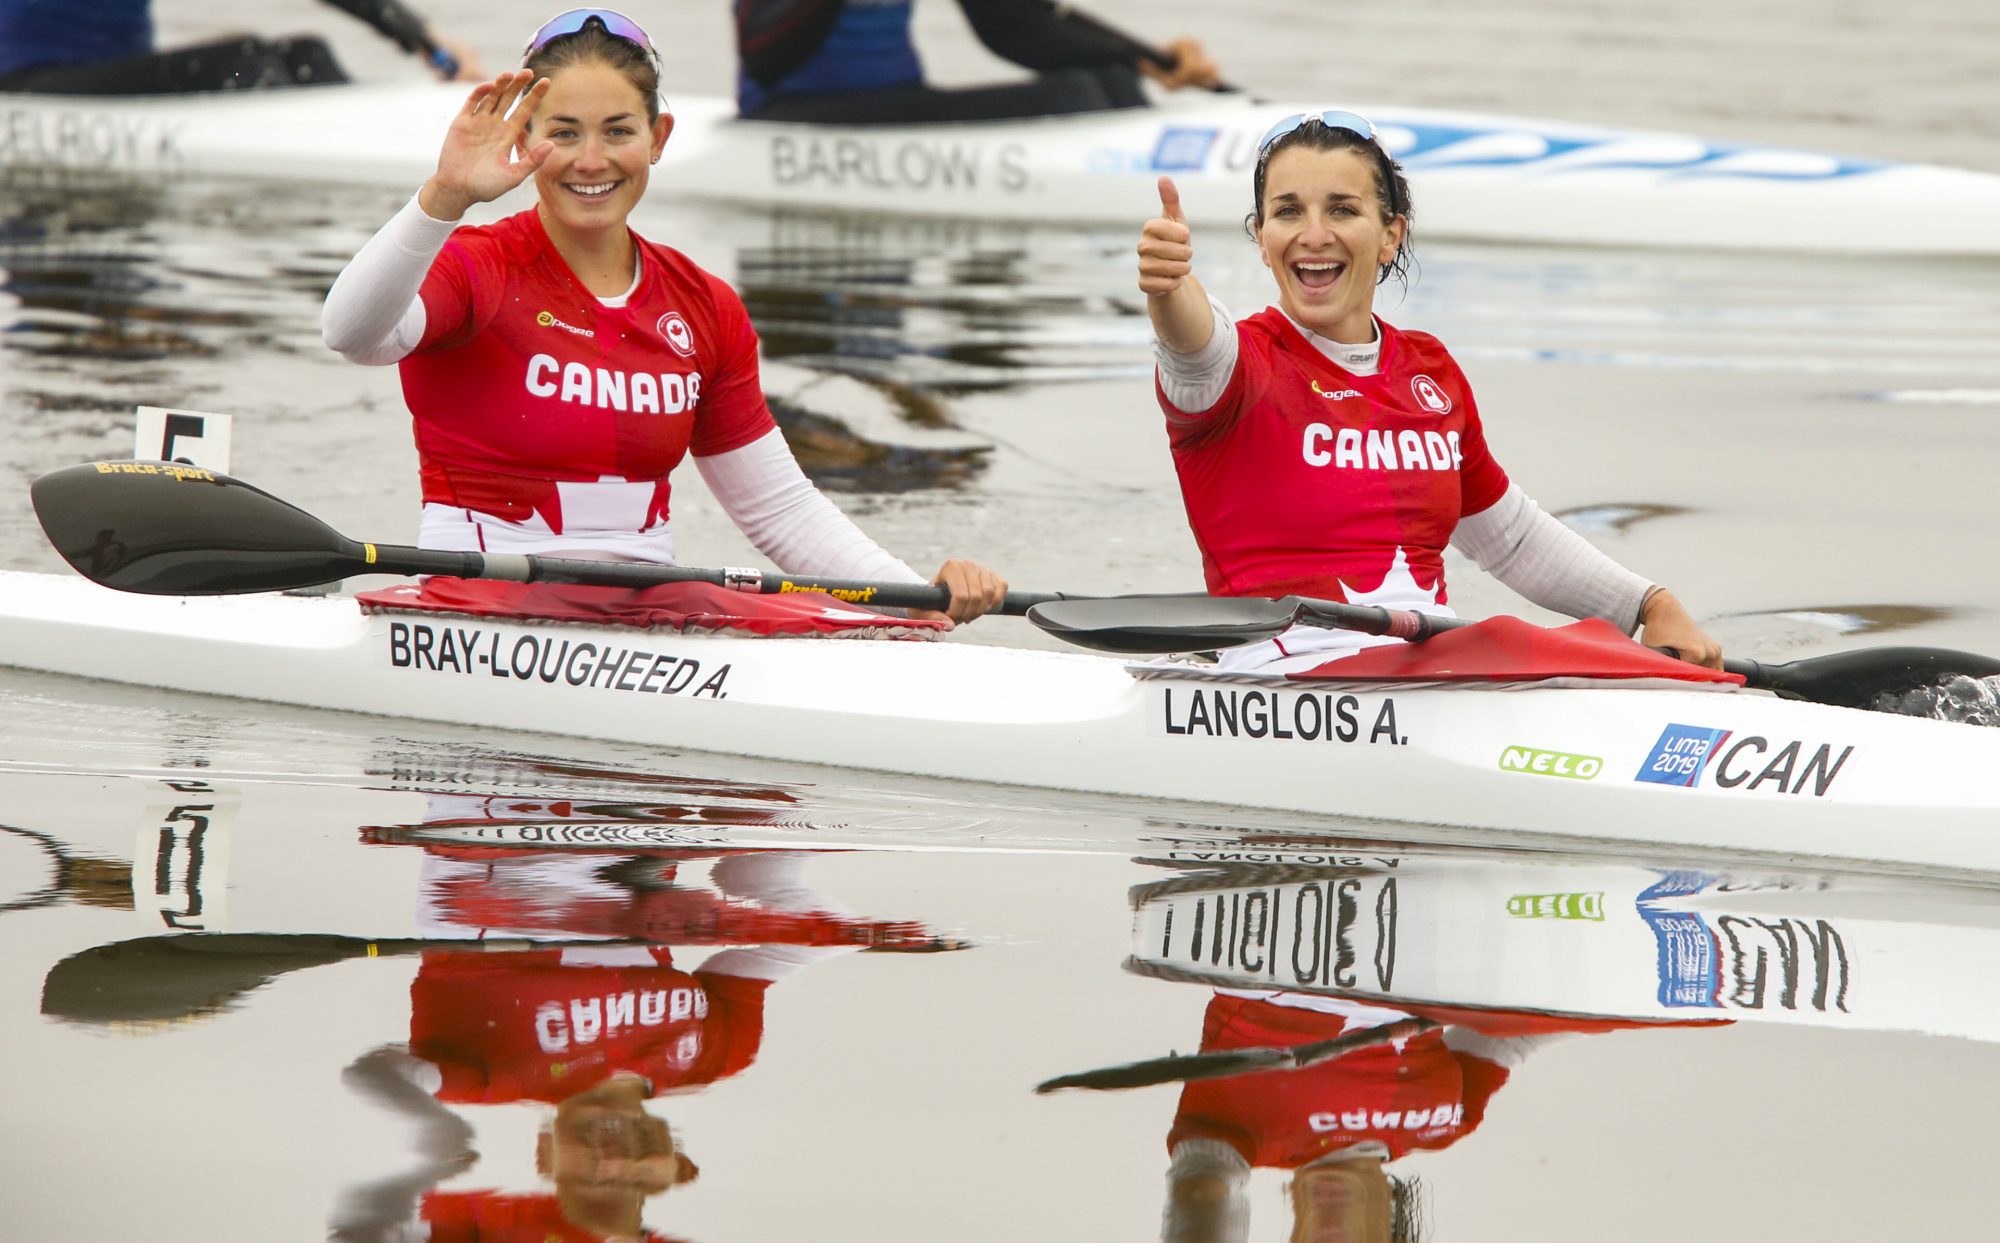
[[489, 1217], [1304, 478], [1421, 1095], [547, 1024], [633, 896], [524, 379]]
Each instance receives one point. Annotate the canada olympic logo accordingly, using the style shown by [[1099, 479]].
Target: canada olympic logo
[[1430, 396], [677, 333]]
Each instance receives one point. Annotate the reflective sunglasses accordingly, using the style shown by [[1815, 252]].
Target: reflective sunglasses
[[1332, 118], [612, 22]]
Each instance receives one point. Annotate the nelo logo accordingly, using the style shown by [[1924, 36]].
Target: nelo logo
[[676, 332], [1430, 396]]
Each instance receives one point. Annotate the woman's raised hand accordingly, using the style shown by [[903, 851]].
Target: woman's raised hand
[[1166, 249], [477, 164], [1175, 300]]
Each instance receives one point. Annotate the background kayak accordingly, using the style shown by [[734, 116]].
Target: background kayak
[[1473, 175]]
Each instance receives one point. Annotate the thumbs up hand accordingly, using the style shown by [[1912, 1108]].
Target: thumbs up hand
[[1166, 252]]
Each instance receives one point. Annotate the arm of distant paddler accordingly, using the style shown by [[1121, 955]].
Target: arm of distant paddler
[[761, 488], [1522, 545], [1036, 34], [397, 23], [373, 314]]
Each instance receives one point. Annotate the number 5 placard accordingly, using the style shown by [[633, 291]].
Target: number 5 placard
[[185, 436]]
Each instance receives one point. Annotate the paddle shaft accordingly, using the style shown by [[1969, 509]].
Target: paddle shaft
[[160, 528], [1416, 627], [527, 568], [1181, 1068]]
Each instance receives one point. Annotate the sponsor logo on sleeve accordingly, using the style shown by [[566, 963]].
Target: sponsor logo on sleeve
[[1680, 755], [675, 331]]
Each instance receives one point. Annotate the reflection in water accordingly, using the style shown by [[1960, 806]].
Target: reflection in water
[[1861, 618], [545, 975], [1616, 518], [937, 306], [1595, 941], [41, 871], [593, 1029], [1370, 1010], [602, 1152]]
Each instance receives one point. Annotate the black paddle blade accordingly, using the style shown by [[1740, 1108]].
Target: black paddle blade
[[164, 529], [165, 979], [1147, 625], [1859, 678]]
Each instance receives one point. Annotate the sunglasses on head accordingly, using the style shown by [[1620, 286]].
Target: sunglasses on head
[[1332, 118], [610, 21]]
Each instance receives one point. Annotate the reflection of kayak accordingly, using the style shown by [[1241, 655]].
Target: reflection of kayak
[[1599, 940], [1660, 763], [1474, 175]]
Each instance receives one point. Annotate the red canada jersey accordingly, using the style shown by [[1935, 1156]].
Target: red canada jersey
[[525, 381], [546, 1024], [1415, 1094], [1306, 479]]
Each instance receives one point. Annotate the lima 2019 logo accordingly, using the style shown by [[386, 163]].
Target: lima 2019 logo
[[675, 331]]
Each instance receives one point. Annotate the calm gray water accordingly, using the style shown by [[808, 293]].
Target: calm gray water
[[1802, 447]]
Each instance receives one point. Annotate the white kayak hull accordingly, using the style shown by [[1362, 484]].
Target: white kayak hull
[[1592, 939], [1474, 175], [1509, 931], [1686, 767]]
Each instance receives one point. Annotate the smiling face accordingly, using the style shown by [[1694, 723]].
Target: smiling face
[[1347, 1202], [1326, 238], [604, 147]]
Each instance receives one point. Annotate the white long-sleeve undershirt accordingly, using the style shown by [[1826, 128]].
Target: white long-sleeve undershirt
[[1514, 539], [762, 489], [374, 315]]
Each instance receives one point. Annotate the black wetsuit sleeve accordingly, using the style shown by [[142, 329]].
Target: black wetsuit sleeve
[[774, 38], [1037, 34], [398, 23]]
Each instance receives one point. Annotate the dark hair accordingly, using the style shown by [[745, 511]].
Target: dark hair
[[1406, 1209], [594, 45], [1392, 189]]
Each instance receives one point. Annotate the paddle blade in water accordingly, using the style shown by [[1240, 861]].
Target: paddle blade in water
[[165, 529], [1859, 678], [1145, 625]]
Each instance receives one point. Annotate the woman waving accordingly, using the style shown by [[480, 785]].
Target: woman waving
[[557, 365]]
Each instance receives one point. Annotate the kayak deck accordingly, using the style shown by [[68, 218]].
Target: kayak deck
[[1730, 769]]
